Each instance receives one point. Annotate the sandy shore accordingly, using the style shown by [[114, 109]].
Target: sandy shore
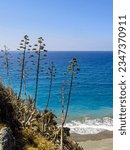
[[100, 141]]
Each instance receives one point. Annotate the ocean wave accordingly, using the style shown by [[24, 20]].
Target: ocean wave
[[90, 126]]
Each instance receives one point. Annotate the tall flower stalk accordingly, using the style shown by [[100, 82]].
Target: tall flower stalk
[[73, 70], [6, 63], [51, 74], [23, 45], [39, 51]]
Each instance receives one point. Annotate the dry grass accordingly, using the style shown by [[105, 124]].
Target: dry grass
[[2, 125], [35, 141]]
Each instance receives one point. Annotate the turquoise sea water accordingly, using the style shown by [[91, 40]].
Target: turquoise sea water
[[91, 106]]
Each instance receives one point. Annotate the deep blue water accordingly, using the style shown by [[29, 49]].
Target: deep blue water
[[92, 93]]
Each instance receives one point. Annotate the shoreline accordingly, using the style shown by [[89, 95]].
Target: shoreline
[[100, 141]]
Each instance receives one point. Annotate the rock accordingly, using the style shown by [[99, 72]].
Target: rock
[[67, 131], [7, 140]]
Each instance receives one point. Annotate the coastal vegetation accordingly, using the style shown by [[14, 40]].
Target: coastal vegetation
[[32, 128]]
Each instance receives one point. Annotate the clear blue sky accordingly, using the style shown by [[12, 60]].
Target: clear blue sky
[[64, 24]]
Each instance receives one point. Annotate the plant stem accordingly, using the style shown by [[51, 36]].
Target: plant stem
[[50, 88], [37, 76], [62, 124], [69, 95], [22, 72], [25, 94], [7, 65]]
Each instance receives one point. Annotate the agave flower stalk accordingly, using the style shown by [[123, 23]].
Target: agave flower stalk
[[51, 74], [62, 124], [73, 70], [23, 45], [39, 50], [6, 63]]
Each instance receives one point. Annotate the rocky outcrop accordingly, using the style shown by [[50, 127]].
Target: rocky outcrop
[[7, 140]]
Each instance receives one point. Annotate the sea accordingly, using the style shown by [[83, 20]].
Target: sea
[[91, 103]]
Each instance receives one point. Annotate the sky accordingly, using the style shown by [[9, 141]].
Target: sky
[[64, 24]]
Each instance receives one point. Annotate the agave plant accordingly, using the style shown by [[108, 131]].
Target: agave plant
[[41, 55]]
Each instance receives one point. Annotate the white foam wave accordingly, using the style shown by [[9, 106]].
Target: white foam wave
[[90, 126]]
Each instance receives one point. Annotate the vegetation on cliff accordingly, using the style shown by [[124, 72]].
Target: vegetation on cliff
[[31, 128]]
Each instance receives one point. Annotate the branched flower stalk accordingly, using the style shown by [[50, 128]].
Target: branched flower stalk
[[39, 50], [51, 74], [6, 63], [23, 45], [73, 70]]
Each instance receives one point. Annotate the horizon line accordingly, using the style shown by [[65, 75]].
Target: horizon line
[[75, 50]]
